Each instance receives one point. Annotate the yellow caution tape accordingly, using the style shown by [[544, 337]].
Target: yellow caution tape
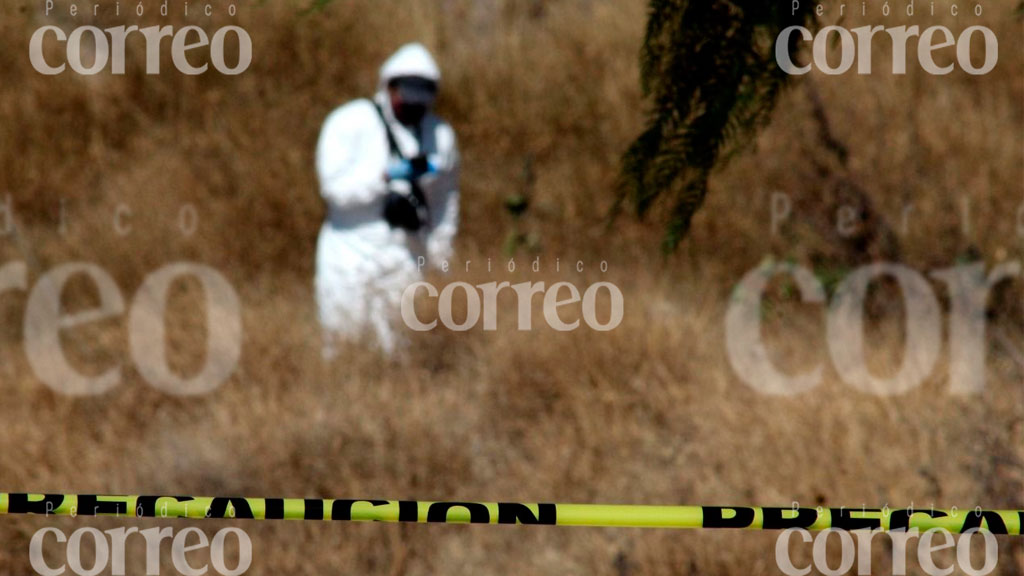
[[743, 517]]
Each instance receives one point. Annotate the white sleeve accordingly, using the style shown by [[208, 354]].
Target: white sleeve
[[348, 174], [444, 203]]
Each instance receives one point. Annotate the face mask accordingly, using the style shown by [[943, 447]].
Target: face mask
[[410, 114], [415, 96]]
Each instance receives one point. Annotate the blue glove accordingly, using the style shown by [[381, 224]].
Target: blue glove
[[399, 170], [410, 169]]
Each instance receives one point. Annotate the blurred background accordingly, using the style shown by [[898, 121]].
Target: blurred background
[[545, 98]]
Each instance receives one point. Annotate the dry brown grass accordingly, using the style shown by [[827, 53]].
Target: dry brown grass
[[649, 413]]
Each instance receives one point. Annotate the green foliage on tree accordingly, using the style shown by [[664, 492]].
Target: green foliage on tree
[[710, 77]]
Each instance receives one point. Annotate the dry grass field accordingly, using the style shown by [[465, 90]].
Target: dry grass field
[[545, 98]]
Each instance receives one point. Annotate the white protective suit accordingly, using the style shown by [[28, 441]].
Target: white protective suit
[[362, 264]]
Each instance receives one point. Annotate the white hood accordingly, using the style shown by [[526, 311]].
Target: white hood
[[410, 60]]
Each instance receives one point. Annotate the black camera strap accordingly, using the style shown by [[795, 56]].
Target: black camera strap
[[418, 197], [391, 136]]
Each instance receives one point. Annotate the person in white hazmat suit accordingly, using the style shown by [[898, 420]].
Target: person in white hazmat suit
[[388, 171]]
